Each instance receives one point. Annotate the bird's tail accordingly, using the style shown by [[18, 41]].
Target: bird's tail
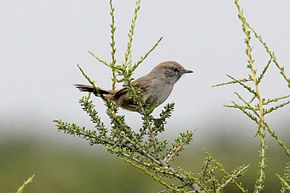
[[89, 88]]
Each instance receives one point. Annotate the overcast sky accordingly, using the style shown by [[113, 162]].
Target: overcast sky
[[42, 41]]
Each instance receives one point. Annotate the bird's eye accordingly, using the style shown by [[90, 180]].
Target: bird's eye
[[175, 70]]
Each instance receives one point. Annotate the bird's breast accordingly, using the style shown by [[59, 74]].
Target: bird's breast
[[159, 91]]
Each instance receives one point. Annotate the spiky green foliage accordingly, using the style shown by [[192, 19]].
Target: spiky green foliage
[[285, 179], [142, 148], [258, 106], [211, 171]]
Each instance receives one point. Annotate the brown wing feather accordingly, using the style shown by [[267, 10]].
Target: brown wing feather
[[142, 82], [122, 99]]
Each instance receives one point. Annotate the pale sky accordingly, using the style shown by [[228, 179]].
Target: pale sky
[[43, 41]]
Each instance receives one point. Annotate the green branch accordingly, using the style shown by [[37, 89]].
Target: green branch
[[25, 183]]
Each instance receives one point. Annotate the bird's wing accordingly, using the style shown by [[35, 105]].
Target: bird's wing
[[142, 82], [121, 97], [147, 90], [120, 93]]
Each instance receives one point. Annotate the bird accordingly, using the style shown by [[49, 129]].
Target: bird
[[155, 87]]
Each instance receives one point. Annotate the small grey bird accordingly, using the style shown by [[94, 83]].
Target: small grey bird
[[155, 87]]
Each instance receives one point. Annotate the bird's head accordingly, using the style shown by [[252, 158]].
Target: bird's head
[[170, 70]]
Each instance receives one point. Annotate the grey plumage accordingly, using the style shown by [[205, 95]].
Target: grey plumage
[[155, 87]]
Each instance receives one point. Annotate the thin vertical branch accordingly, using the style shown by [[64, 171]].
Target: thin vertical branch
[[113, 45], [131, 34], [261, 127]]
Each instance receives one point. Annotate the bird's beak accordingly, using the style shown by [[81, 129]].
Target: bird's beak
[[186, 71]]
